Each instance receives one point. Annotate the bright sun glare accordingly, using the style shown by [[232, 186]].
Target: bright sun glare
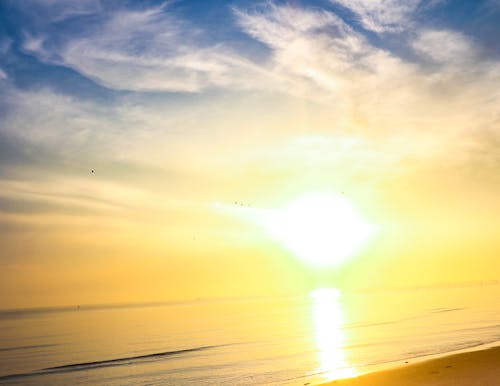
[[320, 228]]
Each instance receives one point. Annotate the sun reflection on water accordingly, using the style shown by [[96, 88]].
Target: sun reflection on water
[[329, 335]]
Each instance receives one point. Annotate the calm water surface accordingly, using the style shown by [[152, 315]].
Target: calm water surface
[[313, 338]]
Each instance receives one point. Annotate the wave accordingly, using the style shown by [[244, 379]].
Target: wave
[[86, 365], [19, 348], [441, 310], [108, 362]]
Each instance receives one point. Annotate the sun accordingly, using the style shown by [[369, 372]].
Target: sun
[[323, 229]]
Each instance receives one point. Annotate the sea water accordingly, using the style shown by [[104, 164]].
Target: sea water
[[319, 336]]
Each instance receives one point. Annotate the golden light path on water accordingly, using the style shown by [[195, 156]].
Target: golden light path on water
[[330, 338]]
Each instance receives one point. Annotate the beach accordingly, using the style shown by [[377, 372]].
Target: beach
[[312, 338], [478, 368]]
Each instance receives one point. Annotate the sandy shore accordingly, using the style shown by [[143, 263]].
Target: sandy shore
[[478, 368]]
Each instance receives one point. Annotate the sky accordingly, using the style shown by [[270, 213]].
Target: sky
[[203, 120]]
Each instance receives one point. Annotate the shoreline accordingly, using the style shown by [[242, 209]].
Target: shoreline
[[479, 367]]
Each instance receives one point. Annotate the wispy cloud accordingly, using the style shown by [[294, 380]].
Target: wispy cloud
[[445, 46], [150, 50], [313, 46], [57, 10], [382, 15], [34, 44]]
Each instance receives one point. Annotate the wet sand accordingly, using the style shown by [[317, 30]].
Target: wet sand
[[478, 368]]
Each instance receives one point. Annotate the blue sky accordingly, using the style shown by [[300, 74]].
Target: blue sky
[[178, 105], [32, 35]]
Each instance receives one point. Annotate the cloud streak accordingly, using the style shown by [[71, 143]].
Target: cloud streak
[[149, 50], [382, 15]]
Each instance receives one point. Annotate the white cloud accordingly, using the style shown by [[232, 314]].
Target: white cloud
[[34, 44], [276, 24], [55, 120], [57, 10], [319, 54], [151, 50], [3, 75], [444, 46], [382, 15], [304, 43]]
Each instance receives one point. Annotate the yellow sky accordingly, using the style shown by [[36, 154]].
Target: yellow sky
[[409, 141], [162, 238]]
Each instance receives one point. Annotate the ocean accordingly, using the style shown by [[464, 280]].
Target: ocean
[[296, 340]]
